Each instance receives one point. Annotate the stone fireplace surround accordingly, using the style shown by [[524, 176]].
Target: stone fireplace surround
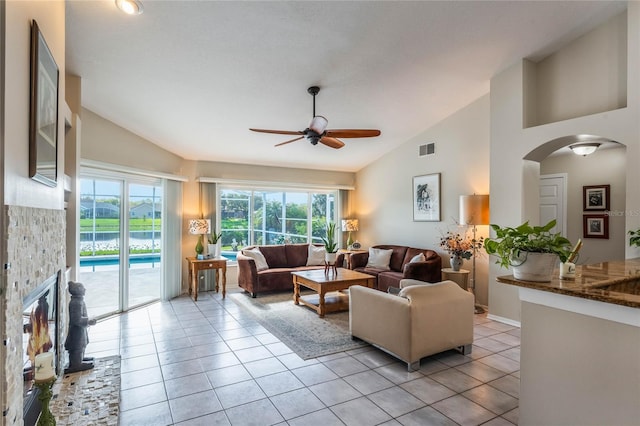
[[35, 250]]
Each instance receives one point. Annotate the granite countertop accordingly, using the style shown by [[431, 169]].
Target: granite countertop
[[616, 282]]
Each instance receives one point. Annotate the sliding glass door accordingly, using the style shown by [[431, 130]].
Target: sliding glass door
[[111, 238]]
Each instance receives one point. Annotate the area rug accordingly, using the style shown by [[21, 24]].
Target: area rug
[[89, 397], [298, 327]]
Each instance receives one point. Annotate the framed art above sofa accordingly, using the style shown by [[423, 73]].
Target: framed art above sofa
[[426, 198]]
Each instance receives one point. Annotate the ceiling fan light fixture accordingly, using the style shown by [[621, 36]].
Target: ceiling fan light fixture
[[584, 149], [130, 7], [318, 124]]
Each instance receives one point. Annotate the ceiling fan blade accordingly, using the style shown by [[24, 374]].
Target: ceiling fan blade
[[353, 133], [332, 142], [318, 124], [289, 141], [279, 132]]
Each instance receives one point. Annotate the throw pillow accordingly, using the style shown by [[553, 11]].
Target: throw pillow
[[418, 258], [379, 258], [258, 257], [316, 255]]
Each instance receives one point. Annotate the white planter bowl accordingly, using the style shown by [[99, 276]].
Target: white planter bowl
[[536, 267]]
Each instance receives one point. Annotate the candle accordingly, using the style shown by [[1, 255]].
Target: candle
[[44, 366]]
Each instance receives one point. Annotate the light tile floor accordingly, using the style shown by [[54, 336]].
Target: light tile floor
[[210, 363]]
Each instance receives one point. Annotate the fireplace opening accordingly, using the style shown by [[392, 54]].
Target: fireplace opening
[[40, 331]]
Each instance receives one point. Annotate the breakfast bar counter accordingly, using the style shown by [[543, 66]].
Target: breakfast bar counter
[[580, 346], [616, 282]]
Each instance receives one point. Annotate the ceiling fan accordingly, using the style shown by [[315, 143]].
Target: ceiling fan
[[318, 132]]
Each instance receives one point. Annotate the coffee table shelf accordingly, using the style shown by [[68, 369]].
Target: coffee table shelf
[[327, 286]]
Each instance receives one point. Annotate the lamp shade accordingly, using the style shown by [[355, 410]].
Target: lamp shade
[[199, 226], [474, 209], [349, 225]]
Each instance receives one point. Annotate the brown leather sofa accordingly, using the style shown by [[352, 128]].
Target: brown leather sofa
[[281, 261], [400, 266]]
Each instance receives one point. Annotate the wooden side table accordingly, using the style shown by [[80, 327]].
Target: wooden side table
[[348, 253], [460, 277], [196, 265]]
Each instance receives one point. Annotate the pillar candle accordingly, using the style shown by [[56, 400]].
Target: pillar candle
[[44, 366]]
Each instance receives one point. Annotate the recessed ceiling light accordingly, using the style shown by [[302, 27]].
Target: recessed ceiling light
[[130, 7]]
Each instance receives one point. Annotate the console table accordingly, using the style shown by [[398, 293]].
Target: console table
[[196, 265]]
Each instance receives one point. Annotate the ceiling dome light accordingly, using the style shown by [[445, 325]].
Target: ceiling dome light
[[584, 149], [130, 7]]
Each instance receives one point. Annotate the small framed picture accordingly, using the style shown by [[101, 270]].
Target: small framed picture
[[595, 197], [426, 198], [595, 226]]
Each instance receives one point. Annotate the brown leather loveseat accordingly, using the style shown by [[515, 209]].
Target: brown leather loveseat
[[281, 260], [400, 266]]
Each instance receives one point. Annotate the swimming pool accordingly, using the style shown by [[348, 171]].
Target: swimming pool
[[134, 259]]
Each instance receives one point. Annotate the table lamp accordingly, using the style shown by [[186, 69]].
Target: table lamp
[[349, 225], [199, 227], [474, 210]]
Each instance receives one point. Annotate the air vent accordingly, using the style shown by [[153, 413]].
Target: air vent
[[427, 149]]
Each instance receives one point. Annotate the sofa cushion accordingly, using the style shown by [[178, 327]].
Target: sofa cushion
[[258, 258], [379, 258], [418, 258], [296, 254], [276, 256], [388, 279], [315, 256], [397, 257]]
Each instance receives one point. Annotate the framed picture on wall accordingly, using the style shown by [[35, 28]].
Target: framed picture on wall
[[426, 198], [595, 197], [595, 226], [43, 112]]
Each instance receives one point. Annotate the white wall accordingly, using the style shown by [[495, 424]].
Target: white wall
[[384, 196], [514, 197], [604, 167], [19, 189]]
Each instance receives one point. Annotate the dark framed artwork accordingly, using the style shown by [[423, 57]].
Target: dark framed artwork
[[426, 198], [595, 226], [43, 111], [595, 197]]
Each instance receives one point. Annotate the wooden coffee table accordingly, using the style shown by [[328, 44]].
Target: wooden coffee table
[[323, 283]]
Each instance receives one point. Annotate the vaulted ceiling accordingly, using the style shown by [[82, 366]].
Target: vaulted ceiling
[[194, 76]]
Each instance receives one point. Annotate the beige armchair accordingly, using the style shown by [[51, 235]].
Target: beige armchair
[[422, 320]]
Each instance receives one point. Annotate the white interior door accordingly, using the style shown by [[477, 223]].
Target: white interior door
[[553, 202]]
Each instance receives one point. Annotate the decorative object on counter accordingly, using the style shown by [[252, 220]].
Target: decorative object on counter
[[595, 197], [531, 251], [199, 227], [78, 338], [634, 238], [568, 268], [214, 240], [349, 225], [331, 246], [595, 226], [474, 210], [426, 198], [459, 247]]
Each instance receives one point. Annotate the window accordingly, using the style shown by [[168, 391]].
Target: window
[[267, 217]]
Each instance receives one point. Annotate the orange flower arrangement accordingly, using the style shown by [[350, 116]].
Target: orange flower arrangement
[[459, 245]]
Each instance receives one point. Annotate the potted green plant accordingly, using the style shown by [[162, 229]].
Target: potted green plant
[[214, 247], [330, 244], [634, 238], [532, 251]]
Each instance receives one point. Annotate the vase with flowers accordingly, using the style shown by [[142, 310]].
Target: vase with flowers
[[459, 247]]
